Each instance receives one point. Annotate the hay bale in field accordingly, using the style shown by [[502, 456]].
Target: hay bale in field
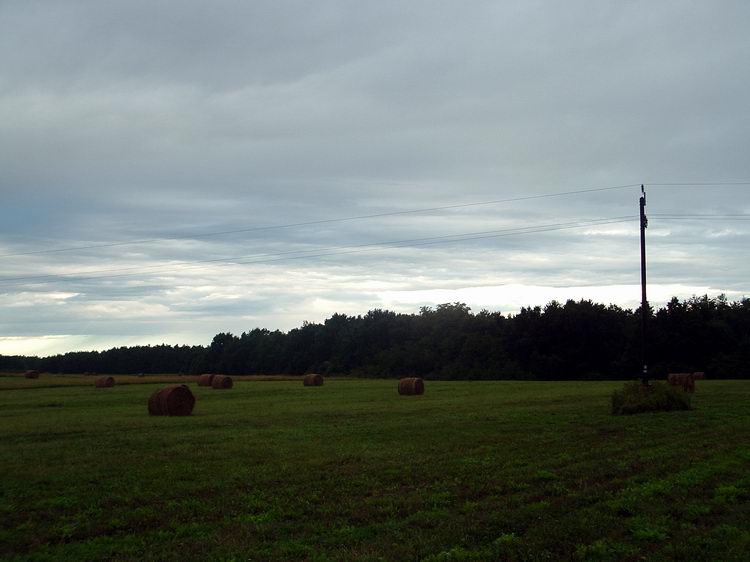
[[675, 379], [206, 379], [699, 376], [313, 379], [104, 382], [683, 380], [172, 400], [411, 386], [689, 383], [222, 382], [31, 374]]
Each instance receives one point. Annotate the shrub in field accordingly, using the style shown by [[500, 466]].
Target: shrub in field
[[635, 398]]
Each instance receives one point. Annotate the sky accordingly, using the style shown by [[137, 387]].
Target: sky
[[170, 170]]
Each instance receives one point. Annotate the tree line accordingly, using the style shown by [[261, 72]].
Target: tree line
[[574, 340]]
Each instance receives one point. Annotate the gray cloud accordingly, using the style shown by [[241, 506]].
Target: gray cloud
[[164, 120]]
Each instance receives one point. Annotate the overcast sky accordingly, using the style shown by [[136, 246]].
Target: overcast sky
[[134, 135]]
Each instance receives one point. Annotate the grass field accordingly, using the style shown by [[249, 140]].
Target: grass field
[[272, 470]]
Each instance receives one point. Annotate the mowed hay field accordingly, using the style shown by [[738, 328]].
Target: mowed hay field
[[273, 470]]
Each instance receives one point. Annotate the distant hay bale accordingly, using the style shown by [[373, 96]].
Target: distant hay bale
[[222, 382], [699, 376], [104, 382], [688, 384], [206, 380], [313, 379], [172, 400], [411, 386], [31, 374], [684, 380], [140, 375]]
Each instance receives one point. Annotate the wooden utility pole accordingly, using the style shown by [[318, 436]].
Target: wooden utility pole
[[644, 302]]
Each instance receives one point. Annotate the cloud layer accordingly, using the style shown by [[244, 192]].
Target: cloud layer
[[167, 122]]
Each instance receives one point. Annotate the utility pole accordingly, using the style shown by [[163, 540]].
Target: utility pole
[[644, 302]]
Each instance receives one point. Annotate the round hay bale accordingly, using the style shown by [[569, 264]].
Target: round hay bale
[[206, 380], [222, 382], [688, 384], [675, 379], [411, 386], [104, 382], [172, 400], [699, 376], [313, 379], [686, 381], [31, 374]]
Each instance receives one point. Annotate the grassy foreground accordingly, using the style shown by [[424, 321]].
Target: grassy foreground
[[271, 470]]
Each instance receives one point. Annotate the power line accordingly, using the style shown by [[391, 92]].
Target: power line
[[375, 215], [325, 251], [322, 221], [414, 241], [707, 217], [483, 237], [697, 184]]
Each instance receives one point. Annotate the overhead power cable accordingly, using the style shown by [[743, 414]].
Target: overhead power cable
[[697, 184], [531, 230], [322, 221], [370, 216], [320, 252], [679, 216]]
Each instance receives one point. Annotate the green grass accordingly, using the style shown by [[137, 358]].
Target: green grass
[[272, 470]]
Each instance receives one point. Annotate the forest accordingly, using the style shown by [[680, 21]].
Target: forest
[[577, 340]]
